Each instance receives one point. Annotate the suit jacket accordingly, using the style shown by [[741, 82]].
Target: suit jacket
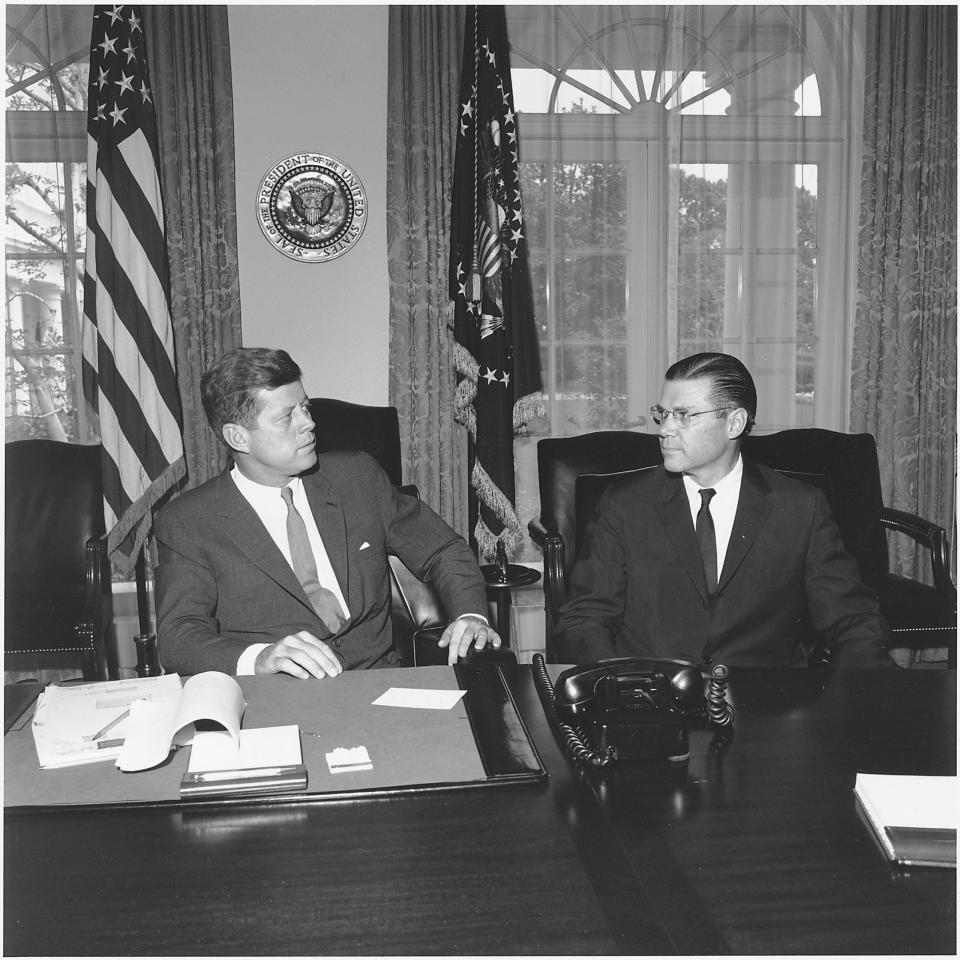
[[223, 584], [638, 588]]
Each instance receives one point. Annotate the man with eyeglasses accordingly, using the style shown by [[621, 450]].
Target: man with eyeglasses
[[712, 557]]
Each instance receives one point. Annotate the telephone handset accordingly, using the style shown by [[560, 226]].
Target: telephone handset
[[627, 708]]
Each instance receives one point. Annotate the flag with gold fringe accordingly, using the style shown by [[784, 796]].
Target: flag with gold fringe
[[497, 360], [129, 375]]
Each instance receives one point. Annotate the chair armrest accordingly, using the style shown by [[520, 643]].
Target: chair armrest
[[90, 632], [930, 535], [428, 654], [554, 570]]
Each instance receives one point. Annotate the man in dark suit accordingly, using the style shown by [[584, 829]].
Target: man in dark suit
[[280, 565], [737, 574]]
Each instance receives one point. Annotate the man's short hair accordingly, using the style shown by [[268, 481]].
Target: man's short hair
[[230, 385], [732, 384]]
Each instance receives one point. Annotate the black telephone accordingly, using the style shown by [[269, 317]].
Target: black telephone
[[632, 709]]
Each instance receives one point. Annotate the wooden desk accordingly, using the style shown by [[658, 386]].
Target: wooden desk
[[756, 849]]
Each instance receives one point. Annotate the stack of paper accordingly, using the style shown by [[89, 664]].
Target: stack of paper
[[88, 723], [138, 722], [914, 818]]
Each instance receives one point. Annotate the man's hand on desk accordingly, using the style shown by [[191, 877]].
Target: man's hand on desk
[[463, 632], [301, 655]]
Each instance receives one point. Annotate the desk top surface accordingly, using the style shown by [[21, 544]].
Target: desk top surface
[[753, 849]]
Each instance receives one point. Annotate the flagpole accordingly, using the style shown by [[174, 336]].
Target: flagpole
[[143, 604]]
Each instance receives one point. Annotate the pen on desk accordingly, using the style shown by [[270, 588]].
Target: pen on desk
[[214, 776], [110, 725]]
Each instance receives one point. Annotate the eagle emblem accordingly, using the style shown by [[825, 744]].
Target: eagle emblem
[[311, 207], [312, 201]]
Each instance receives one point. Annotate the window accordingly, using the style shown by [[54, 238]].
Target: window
[[47, 60], [689, 184]]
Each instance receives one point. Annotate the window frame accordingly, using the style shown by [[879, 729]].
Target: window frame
[[58, 137], [714, 140]]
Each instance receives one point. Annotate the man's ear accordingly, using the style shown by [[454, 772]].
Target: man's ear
[[736, 423], [236, 437]]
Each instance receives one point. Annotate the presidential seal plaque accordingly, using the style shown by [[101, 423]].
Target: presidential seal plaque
[[311, 207]]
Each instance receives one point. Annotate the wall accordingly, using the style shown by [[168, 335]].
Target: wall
[[313, 79]]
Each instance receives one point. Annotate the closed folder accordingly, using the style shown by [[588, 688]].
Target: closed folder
[[913, 818]]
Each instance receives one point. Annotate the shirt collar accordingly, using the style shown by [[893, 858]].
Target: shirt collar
[[261, 492], [730, 482]]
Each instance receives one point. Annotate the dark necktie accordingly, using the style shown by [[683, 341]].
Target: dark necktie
[[305, 567], [707, 539]]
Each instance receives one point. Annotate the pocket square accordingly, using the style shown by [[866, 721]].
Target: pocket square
[[364, 545]]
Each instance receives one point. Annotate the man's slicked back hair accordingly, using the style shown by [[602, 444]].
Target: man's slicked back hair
[[230, 385], [732, 384]]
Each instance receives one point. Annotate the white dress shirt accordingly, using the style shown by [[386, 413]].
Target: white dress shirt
[[723, 507], [272, 512]]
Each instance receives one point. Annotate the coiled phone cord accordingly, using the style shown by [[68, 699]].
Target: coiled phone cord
[[579, 751], [720, 712]]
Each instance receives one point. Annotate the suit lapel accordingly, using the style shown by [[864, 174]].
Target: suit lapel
[[329, 514], [752, 512], [675, 516], [242, 525]]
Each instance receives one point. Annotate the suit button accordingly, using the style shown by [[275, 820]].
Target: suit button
[[707, 661], [337, 642]]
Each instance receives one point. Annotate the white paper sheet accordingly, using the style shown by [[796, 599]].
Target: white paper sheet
[[908, 801], [420, 699], [257, 748]]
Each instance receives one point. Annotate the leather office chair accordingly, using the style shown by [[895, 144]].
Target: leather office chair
[[575, 470], [339, 425], [416, 609], [57, 590]]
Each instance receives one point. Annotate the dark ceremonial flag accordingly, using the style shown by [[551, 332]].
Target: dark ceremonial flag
[[129, 376], [497, 360]]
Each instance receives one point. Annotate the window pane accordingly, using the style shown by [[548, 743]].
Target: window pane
[[591, 202], [44, 236], [591, 387], [806, 291], [591, 301], [701, 267], [576, 222], [48, 50]]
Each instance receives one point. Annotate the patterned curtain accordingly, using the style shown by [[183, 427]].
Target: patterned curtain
[[424, 75], [189, 59], [904, 378]]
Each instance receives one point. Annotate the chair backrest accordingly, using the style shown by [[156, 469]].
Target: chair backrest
[[843, 465], [340, 425], [560, 460], [846, 467], [53, 505]]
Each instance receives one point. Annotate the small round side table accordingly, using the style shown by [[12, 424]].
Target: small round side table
[[501, 580]]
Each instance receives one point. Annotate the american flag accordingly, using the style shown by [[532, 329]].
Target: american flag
[[129, 376], [497, 358]]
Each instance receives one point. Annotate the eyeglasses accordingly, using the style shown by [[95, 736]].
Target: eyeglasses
[[681, 417]]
